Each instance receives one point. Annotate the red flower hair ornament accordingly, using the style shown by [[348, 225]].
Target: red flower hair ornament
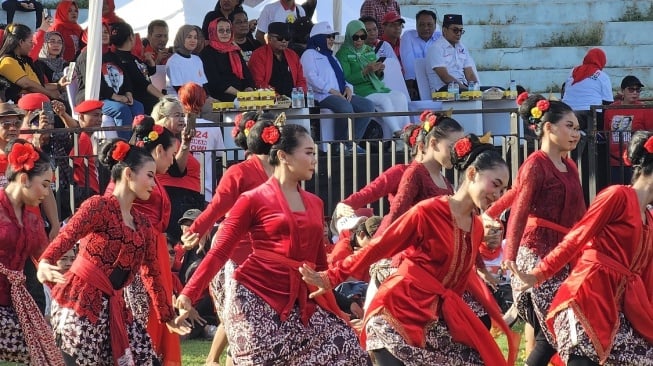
[[649, 145], [138, 119], [463, 147], [412, 140], [22, 157], [248, 126], [236, 129], [521, 98], [270, 135], [120, 151], [626, 159]]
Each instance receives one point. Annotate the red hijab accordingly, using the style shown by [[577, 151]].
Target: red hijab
[[61, 18], [226, 47], [594, 60], [111, 17]]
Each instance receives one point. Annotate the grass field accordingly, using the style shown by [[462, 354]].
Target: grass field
[[194, 351]]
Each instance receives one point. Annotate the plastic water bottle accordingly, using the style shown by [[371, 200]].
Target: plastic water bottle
[[456, 91], [513, 89], [450, 90], [293, 97], [301, 103], [310, 97]]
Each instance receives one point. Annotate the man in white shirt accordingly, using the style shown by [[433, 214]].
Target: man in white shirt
[[414, 44], [285, 11], [449, 58], [381, 47]]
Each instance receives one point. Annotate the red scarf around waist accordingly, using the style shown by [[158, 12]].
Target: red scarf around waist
[[37, 333], [538, 221], [84, 268]]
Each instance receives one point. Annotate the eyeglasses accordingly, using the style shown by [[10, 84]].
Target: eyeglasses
[[460, 31], [281, 38], [9, 124], [356, 37], [633, 89], [55, 42], [224, 31]]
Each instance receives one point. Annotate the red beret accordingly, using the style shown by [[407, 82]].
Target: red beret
[[88, 105], [32, 101]]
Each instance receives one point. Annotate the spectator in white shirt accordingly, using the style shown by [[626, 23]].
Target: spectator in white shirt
[[449, 58], [285, 11], [414, 44]]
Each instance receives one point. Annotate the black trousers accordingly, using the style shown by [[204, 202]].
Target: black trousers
[[10, 6]]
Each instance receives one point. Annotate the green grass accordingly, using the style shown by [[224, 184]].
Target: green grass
[[591, 35]]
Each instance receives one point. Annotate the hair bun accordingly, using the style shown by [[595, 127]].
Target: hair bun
[[466, 149]]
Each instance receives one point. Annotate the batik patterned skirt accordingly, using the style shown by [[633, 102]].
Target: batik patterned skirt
[[90, 343], [440, 348], [257, 336], [219, 286], [629, 347], [137, 299], [539, 297], [12, 344]]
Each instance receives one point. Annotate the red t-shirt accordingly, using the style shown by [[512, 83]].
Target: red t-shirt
[[85, 151], [620, 123]]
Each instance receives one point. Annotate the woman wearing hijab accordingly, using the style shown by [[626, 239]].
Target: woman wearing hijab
[[587, 84], [109, 13], [325, 75], [65, 22], [50, 58], [224, 66], [361, 68], [184, 65]]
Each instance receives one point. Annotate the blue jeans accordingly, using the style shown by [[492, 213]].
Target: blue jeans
[[122, 114], [341, 105]]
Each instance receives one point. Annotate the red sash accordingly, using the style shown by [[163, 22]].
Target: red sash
[[84, 268], [538, 221]]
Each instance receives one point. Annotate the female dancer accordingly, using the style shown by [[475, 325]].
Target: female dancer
[[612, 277], [238, 179], [418, 317], [548, 200], [268, 316], [24, 336], [161, 144], [92, 324]]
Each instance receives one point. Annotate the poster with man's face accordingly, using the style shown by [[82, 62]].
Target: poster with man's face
[[113, 76]]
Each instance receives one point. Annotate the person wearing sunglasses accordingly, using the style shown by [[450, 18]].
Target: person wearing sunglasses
[[275, 65], [621, 123], [449, 58], [365, 73]]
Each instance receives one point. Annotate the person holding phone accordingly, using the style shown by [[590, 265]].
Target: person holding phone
[[361, 68], [11, 6]]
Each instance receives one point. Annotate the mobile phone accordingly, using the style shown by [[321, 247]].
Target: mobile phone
[[70, 72], [46, 13], [191, 121], [381, 59], [49, 112]]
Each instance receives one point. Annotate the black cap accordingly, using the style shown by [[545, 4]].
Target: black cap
[[449, 19], [631, 80], [280, 29], [190, 215]]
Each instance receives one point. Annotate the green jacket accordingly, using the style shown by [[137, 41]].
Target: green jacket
[[353, 62]]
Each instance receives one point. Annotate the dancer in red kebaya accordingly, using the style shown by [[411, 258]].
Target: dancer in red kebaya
[[603, 312], [238, 179], [91, 322], [418, 317], [546, 202], [268, 315], [24, 335]]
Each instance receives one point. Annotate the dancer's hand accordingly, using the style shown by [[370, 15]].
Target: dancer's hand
[[179, 326], [49, 273], [488, 278], [190, 240], [311, 277], [183, 303], [529, 280], [343, 210], [356, 310]]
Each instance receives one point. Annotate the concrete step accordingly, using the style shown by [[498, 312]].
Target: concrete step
[[552, 79], [558, 57], [534, 35], [527, 11]]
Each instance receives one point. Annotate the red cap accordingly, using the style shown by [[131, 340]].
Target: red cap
[[88, 105], [32, 101], [391, 17]]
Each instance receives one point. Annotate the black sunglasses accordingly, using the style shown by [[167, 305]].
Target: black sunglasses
[[633, 89], [281, 38], [356, 37]]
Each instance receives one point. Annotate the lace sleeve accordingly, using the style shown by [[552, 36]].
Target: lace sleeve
[[528, 184], [383, 185], [409, 187]]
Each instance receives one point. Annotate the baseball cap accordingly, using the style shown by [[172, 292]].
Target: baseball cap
[[391, 17], [322, 28], [631, 80], [190, 215], [349, 223]]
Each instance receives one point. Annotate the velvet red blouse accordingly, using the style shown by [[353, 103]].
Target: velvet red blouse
[[18, 242], [545, 192], [238, 179], [416, 185], [264, 213], [613, 272], [384, 185], [109, 244]]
